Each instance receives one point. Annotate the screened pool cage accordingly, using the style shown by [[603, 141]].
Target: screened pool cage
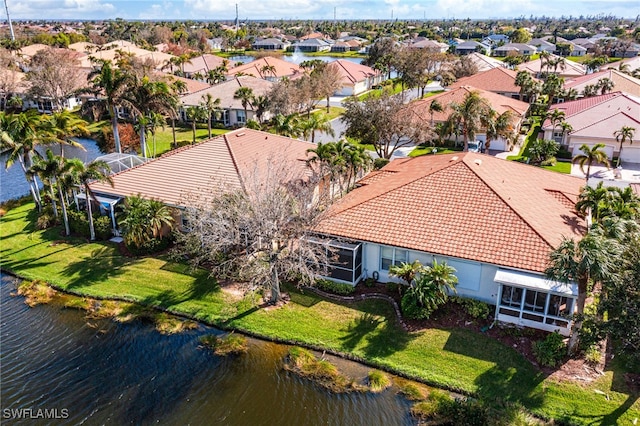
[[344, 259], [119, 162]]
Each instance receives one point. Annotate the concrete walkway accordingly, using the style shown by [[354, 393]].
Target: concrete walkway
[[629, 173]]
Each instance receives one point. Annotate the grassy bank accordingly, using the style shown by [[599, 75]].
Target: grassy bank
[[456, 359]]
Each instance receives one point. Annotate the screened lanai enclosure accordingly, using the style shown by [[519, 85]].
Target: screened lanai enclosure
[[344, 259]]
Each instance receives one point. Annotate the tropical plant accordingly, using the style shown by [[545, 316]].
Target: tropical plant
[[316, 123], [245, 95], [470, 116], [83, 174], [623, 135], [61, 126], [589, 156], [195, 114], [499, 126], [542, 150], [430, 289], [406, 271], [210, 106], [144, 221], [111, 84], [288, 125], [260, 103], [435, 106]]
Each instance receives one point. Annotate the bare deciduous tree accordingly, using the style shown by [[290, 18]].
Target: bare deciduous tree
[[258, 234]]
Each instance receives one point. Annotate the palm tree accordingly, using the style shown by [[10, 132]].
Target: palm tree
[[469, 116], [593, 202], [245, 94], [288, 125], [144, 220], [586, 262], [316, 122], [260, 103], [83, 175], [623, 135], [210, 106], [155, 120], [407, 271], [435, 106], [21, 134], [500, 126], [146, 96], [195, 114], [566, 129], [61, 126], [46, 169], [589, 156], [605, 85], [112, 83], [268, 69], [178, 87], [555, 117]]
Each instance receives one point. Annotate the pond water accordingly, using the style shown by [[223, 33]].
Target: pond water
[[12, 181], [102, 372]]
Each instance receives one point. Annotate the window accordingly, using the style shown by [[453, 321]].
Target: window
[[241, 117], [511, 296], [392, 256], [560, 306], [535, 301], [558, 137]]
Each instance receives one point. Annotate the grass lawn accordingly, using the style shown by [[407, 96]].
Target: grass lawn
[[428, 150], [184, 136], [560, 167], [456, 359], [334, 112]]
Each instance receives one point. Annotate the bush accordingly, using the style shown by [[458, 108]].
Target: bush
[[369, 282], [149, 247], [45, 220], [411, 309], [79, 224], [593, 355], [334, 287], [475, 308], [379, 163], [231, 344], [378, 381], [550, 351]]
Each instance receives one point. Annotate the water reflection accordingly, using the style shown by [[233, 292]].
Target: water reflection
[[109, 373]]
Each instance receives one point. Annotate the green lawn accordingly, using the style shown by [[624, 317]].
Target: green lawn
[[184, 136], [428, 150], [455, 359], [560, 167]]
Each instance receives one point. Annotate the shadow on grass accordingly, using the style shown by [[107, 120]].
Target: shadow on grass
[[203, 284], [512, 378], [359, 329], [102, 264], [619, 384]]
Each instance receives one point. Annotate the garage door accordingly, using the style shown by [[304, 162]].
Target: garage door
[[630, 154]]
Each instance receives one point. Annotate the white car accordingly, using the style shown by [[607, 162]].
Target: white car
[[477, 146]]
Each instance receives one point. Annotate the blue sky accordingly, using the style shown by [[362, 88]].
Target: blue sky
[[313, 9]]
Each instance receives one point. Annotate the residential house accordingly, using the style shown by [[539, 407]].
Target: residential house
[[496, 39], [594, 120], [471, 46], [497, 80], [206, 169], [313, 45], [270, 44], [232, 112], [499, 103], [628, 64], [494, 221], [543, 45], [201, 65], [484, 62], [566, 68], [514, 49], [342, 46], [429, 44], [268, 68], [621, 82], [356, 78]]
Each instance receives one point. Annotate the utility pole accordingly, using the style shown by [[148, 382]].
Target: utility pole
[[6, 7]]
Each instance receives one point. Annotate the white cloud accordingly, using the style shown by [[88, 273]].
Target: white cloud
[[56, 9]]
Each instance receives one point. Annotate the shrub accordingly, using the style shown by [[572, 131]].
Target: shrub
[[334, 287], [369, 282], [379, 163], [79, 224], [412, 310], [45, 220], [550, 351], [231, 344], [593, 355], [149, 247], [475, 308]]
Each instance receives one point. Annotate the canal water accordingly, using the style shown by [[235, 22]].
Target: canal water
[[12, 181], [96, 372]]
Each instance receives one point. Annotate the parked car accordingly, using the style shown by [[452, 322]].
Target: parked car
[[477, 146]]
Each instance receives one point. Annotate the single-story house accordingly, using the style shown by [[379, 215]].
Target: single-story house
[[514, 49], [267, 68], [622, 82], [356, 78], [232, 112], [568, 68], [543, 45], [495, 39], [484, 62], [270, 44], [494, 221], [594, 120], [628, 64], [342, 46], [200, 64], [470, 46], [498, 103], [497, 80], [203, 170], [313, 45], [428, 44]]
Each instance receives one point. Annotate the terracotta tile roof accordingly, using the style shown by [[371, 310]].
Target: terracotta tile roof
[[225, 91], [622, 82], [255, 68], [351, 72], [495, 80], [499, 103], [191, 85], [483, 62], [572, 107], [207, 168], [571, 68], [471, 206], [203, 63]]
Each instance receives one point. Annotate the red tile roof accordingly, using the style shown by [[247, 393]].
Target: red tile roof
[[494, 80], [351, 72], [468, 205], [256, 68], [210, 167]]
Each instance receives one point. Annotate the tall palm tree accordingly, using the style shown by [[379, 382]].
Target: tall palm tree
[[469, 116], [111, 83], [316, 123], [555, 117], [498, 126], [210, 105], [260, 103], [268, 69], [623, 135], [145, 96], [178, 87], [589, 156], [46, 169], [21, 134], [156, 120], [434, 107], [83, 175], [566, 129], [590, 260], [287, 125], [195, 114], [605, 85], [61, 126], [245, 95]]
